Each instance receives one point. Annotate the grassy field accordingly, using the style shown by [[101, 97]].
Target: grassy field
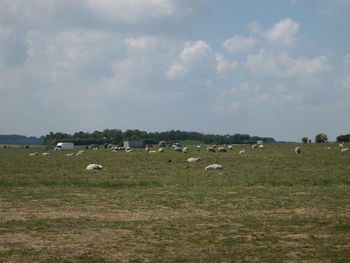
[[266, 205]]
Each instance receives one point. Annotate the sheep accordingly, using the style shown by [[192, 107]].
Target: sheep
[[128, 150], [94, 166], [147, 149], [222, 149], [297, 150], [185, 150], [344, 149], [160, 150], [341, 145], [254, 146], [79, 153], [177, 149], [242, 151], [152, 151], [214, 167], [193, 159], [34, 154], [45, 154], [230, 147], [69, 154], [210, 149], [261, 146]]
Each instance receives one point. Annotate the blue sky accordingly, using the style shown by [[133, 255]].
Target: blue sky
[[268, 68]]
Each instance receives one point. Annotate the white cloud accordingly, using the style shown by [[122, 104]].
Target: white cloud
[[197, 58], [238, 44], [224, 65], [283, 33], [282, 66]]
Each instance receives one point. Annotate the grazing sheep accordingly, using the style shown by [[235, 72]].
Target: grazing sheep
[[254, 146], [261, 146], [222, 149], [128, 150], [34, 154], [341, 145], [185, 150], [177, 149], [79, 153], [344, 150], [193, 159], [211, 149], [152, 151], [214, 167], [94, 166], [297, 150], [230, 147], [45, 154], [242, 151], [160, 150], [69, 154], [146, 149]]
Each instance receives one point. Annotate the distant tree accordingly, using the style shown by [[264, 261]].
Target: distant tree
[[343, 138], [305, 139], [321, 137]]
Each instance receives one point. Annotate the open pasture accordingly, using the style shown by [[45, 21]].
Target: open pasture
[[267, 205]]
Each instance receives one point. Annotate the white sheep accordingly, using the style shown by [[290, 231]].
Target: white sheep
[[210, 149], [254, 146], [178, 149], [94, 166], [242, 151], [69, 154], [146, 149], [152, 151], [214, 167], [128, 150], [261, 146], [45, 154], [79, 153], [230, 147], [160, 150], [344, 149], [193, 159], [222, 149], [34, 154], [185, 150], [297, 150]]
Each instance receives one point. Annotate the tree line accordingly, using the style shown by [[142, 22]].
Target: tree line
[[116, 137]]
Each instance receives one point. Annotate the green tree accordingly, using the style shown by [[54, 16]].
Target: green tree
[[304, 139], [321, 137]]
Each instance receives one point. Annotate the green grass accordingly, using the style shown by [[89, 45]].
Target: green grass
[[265, 206]]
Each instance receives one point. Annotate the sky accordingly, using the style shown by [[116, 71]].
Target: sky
[[274, 68]]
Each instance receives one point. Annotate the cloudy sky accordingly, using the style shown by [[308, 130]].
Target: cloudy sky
[[278, 68]]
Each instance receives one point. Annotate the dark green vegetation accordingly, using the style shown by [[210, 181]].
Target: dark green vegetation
[[19, 139], [116, 136], [267, 205]]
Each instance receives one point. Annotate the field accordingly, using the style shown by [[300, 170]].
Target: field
[[267, 205]]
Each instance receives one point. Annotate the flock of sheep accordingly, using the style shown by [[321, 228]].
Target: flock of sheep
[[214, 148]]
